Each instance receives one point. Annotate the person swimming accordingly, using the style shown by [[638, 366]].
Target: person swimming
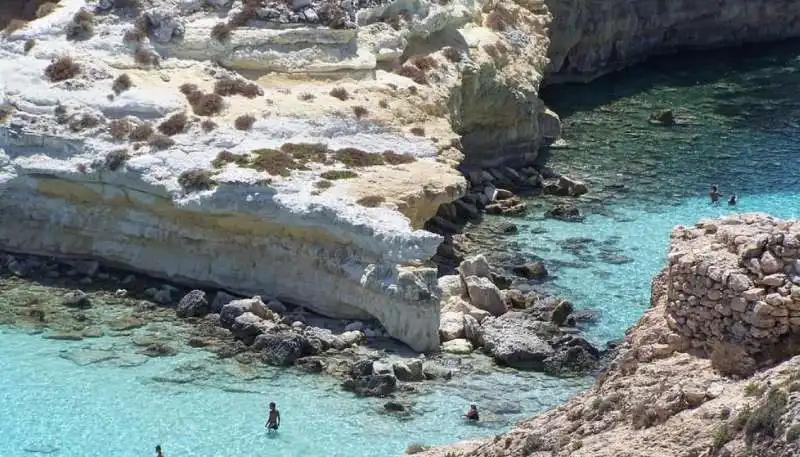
[[472, 414], [274, 419], [732, 200], [714, 194], [158, 451]]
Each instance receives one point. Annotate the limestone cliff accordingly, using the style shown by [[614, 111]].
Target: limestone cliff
[[590, 38], [669, 395]]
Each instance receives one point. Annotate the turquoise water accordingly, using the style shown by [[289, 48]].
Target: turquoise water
[[738, 129], [195, 405]]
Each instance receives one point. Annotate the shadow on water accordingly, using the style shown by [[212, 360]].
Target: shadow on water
[[683, 70]]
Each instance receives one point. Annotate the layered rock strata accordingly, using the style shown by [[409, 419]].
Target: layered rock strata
[[662, 398]]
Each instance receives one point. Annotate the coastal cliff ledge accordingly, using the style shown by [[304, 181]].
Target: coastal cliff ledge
[[691, 387]]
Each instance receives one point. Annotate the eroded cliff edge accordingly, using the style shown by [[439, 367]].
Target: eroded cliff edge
[[709, 370]]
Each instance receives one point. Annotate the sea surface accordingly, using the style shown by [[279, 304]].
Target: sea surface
[[738, 114]]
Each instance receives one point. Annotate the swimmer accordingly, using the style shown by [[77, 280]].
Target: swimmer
[[732, 200], [158, 451], [274, 419], [714, 194], [472, 414]]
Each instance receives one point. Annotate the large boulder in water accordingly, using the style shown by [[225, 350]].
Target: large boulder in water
[[514, 340], [193, 304], [282, 349], [564, 212]]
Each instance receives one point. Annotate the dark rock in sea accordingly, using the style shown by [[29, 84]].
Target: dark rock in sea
[[410, 371], [193, 304], [564, 186], [615, 259], [502, 282], [374, 385], [282, 349], [531, 270], [221, 298], [586, 315], [36, 315], [361, 368], [393, 406], [565, 212], [664, 117], [434, 370], [573, 355], [248, 326], [276, 307], [197, 342], [77, 299], [309, 364], [560, 312], [507, 228], [159, 350]]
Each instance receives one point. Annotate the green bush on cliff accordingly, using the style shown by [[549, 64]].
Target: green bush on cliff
[[196, 180], [765, 418]]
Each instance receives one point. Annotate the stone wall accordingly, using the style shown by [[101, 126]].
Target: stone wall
[[736, 280]]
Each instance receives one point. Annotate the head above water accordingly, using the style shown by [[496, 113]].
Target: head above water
[[272, 405], [158, 448], [473, 406], [714, 187]]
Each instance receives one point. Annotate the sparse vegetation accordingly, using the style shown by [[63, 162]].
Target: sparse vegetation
[[82, 25], [221, 31], [415, 74], [371, 201], [452, 54], [393, 158], [424, 63], [29, 45], [116, 159], [721, 436], [159, 141], [208, 125], [307, 152], [418, 131], [188, 89], [6, 110], [226, 157], [206, 104], [732, 360], [62, 69], [274, 162], [323, 184], [174, 125], [793, 434], [353, 157], [340, 93], [248, 13], [334, 175], [227, 86], [44, 9], [766, 417], [496, 21], [244, 122], [141, 132], [752, 389], [86, 121], [119, 129], [359, 111], [196, 180], [133, 36], [383, 104], [122, 83], [146, 57], [306, 97]]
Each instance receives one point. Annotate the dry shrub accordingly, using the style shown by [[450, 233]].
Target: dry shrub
[[122, 83], [334, 175], [501, 48], [418, 131], [116, 159], [323, 184], [221, 31], [496, 21], [146, 57], [227, 86], [196, 180], [208, 125], [306, 97], [207, 104], [732, 360], [371, 201], [452, 54], [86, 121], [142, 24], [359, 111], [491, 49], [274, 162], [765, 419], [247, 14], [141, 132], [393, 158], [133, 36], [332, 14], [226, 157], [174, 125], [383, 104], [188, 88], [6, 110], [119, 129], [340, 93], [307, 152], [62, 69], [82, 25], [244, 122], [353, 157], [29, 45], [44, 9], [424, 63], [411, 71], [159, 141]]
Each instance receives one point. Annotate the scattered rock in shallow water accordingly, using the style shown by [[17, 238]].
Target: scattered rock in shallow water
[[457, 346], [282, 349], [126, 323], [159, 350], [309, 364], [664, 117], [69, 336], [433, 370], [410, 371], [41, 449], [374, 385], [615, 259], [37, 315], [564, 212], [193, 304], [531, 270], [77, 299], [84, 357], [393, 406]]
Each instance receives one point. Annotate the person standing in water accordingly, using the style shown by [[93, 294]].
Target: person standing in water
[[714, 194], [732, 200], [158, 451], [472, 414], [274, 419]]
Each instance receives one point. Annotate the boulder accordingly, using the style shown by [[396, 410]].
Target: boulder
[[434, 370], [221, 298], [351, 338], [374, 385], [282, 349], [565, 212], [472, 331], [457, 346], [451, 326], [484, 294], [355, 326], [560, 312], [573, 356], [513, 339], [321, 339], [276, 307], [451, 286], [663, 117], [531, 270], [309, 364], [77, 299], [564, 186], [475, 266], [410, 371], [248, 326], [236, 308], [380, 367], [193, 304], [502, 194]]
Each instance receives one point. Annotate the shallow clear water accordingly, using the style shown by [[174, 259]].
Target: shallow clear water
[[738, 129], [195, 405]]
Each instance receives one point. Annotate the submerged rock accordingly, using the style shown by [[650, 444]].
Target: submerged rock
[[531, 270], [565, 212], [77, 299]]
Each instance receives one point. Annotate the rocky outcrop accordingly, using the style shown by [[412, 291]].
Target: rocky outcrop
[[591, 38], [665, 395]]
